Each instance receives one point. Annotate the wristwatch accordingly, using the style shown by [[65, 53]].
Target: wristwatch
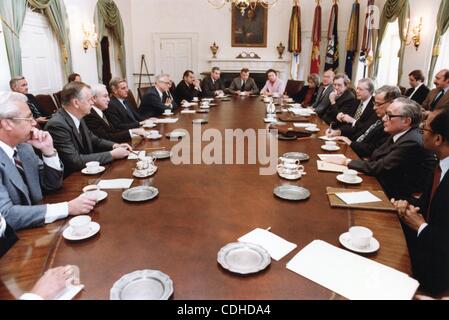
[[51, 155]]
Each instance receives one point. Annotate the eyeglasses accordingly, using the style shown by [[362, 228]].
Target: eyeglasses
[[422, 129], [388, 117], [377, 104], [31, 119]]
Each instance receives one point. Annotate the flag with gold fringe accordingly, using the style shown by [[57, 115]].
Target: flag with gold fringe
[[366, 48], [316, 40], [294, 39], [352, 38], [332, 54]]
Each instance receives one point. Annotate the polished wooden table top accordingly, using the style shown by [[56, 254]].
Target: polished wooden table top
[[200, 209]]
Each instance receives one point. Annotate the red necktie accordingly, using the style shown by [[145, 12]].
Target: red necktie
[[436, 181]]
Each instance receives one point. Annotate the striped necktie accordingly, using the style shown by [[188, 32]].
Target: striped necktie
[[370, 129], [19, 165], [359, 111]]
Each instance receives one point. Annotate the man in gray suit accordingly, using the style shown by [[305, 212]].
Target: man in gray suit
[[23, 176], [243, 85], [322, 101], [75, 143]]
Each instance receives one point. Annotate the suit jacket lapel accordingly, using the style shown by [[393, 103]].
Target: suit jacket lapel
[[75, 132], [85, 132], [14, 175], [440, 192]]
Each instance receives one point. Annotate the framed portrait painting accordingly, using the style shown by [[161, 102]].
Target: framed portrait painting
[[250, 29]]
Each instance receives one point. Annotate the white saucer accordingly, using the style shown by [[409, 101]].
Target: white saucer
[[168, 114], [270, 120], [345, 240], [155, 137], [100, 169], [204, 107], [312, 129], [148, 174], [149, 125], [101, 195], [335, 148], [341, 178], [291, 176], [93, 229]]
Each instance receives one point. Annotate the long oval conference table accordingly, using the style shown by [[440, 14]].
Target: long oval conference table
[[201, 208]]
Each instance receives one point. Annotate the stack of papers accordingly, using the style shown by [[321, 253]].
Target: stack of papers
[[70, 292], [351, 275], [302, 124], [133, 156], [276, 246], [116, 184], [330, 167], [357, 197], [188, 111], [167, 120], [326, 156]]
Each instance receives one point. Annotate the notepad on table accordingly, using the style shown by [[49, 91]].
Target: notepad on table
[[331, 167], [357, 197], [276, 246], [167, 120], [188, 111], [303, 124], [70, 292], [350, 275], [326, 156], [115, 183]]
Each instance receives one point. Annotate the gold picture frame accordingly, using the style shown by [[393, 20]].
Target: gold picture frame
[[249, 30]]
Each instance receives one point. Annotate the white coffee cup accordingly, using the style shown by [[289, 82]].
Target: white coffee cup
[[266, 99], [153, 133], [360, 237], [80, 225], [195, 99], [350, 175], [331, 144], [92, 191], [92, 166], [167, 111]]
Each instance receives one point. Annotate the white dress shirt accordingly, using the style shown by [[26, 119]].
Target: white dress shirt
[[75, 120], [416, 89], [444, 165], [398, 135], [2, 225], [364, 105], [161, 95], [30, 296], [54, 211]]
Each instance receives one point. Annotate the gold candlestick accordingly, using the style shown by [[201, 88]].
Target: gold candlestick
[[214, 48], [281, 49]]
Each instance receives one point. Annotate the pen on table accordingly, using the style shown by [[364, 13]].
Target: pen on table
[[268, 229]]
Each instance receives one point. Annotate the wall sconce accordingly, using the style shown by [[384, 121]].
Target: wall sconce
[[90, 37], [415, 36]]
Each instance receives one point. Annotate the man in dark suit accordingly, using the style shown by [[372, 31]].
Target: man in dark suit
[[364, 116], [75, 143], [401, 165], [418, 91], [426, 224], [24, 177], [98, 123], [20, 84], [342, 100], [157, 99], [374, 136], [243, 85], [188, 88], [438, 98], [212, 85], [7, 236], [322, 101], [120, 114]]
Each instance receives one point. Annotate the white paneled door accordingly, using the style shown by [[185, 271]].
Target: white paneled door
[[175, 53], [41, 59]]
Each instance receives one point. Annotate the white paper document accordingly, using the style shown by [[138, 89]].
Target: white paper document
[[70, 292], [350, 275], [357, 197], [326, 156], [115, 184], [188, 111], [302, 124], [326, 138], [276, 246], [133, 156], [330, 167], [167, 120]]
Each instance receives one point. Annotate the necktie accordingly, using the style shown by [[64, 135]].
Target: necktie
[[19, 165], [243, 86], [130, 112], [85, 138], [105, 119], [358, 112], [34, 110], [367, 132], [435, 183], [436, 100]]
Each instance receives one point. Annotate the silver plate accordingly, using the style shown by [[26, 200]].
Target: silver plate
[[243, 258], [296, 155], [289, 192], [161, 154], [141, 193], [199, 121], [142, 285]]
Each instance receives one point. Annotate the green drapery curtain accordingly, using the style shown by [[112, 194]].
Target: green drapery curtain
[[442, 27], [12, 13], [107, 15], [56, 13], [393, 9]]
